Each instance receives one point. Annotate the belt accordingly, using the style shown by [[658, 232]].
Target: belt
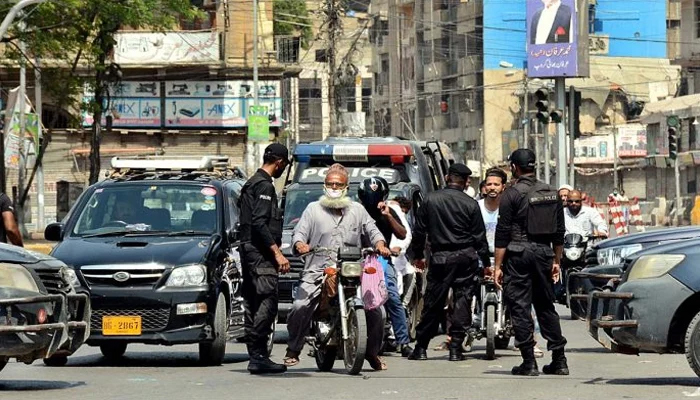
[[449, 247]]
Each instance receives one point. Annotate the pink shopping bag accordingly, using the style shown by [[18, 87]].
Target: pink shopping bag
[[374, 292]]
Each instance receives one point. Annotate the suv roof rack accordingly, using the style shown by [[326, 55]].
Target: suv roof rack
[[182, 167]]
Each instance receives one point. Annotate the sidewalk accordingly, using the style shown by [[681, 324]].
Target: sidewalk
[[36, 242]]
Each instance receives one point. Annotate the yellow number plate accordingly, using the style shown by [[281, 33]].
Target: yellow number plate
[[125, 326]]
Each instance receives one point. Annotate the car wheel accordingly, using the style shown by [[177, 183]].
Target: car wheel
[[56, 361], [212, 353], [692, 344], [3, 362], [113, 351]]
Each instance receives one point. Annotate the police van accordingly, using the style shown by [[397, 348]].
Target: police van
[[411, 168]]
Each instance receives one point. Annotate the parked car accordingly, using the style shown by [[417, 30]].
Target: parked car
[[41, 316], [155, 247], [604, 261], [656, 305]]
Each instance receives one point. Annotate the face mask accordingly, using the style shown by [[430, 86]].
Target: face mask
[[334, 193]]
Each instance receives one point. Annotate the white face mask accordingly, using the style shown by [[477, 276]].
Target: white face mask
[[335, 193]]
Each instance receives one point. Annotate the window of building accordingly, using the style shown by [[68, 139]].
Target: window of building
[[693, 134], [288, 48], [697, 18], [655, 143], [591, 18]]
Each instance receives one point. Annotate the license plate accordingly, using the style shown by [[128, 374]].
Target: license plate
[[124, 326]]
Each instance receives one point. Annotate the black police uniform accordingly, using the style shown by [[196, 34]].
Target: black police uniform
[[527, 269], [454, 226], [260, 228]]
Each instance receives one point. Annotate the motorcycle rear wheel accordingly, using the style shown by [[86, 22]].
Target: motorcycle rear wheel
[[490, 332], [355, 348]]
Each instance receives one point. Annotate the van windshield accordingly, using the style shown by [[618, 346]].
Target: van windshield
[[126, 209]]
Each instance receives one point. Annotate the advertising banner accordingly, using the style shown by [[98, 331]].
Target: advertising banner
[[155, 48], [258, 124], [632, 140], [553, 37], [133, 104], [219, 104]]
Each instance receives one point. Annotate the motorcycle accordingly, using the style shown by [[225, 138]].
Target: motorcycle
[[495, 324], [339, 326], [574, 260]]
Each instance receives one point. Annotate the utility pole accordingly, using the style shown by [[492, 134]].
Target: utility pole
[[561, 133], [21, 97], [572, 136], [538, 157], [256, 62], [526, 111], [547, 157], [394, 68], [614, 151], [40, 216], [334, 31]]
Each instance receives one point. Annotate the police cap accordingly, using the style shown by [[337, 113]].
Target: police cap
[[460, 170], [278, 151], [524, 158]]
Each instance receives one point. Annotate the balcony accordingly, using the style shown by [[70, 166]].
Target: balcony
[[138, 49]]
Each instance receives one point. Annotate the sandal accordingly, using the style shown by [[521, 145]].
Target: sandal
[[377, 363], [291, 359]]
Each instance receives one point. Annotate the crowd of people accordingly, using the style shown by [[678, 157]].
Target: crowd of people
[[512, 232]]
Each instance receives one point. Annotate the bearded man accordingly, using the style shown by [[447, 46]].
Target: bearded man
[[334, 221]]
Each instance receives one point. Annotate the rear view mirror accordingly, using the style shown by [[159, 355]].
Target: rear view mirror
[[54, 232]]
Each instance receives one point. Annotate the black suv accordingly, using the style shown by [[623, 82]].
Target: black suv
[[154, 246]]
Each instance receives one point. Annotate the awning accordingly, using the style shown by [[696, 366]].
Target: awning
[[112, 151], [642, 79], [684, 107]]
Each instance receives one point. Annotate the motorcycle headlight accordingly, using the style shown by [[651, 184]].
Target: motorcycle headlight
[[190, 275], [654, 265], [573, 254], [615, 255], [351, 269], [70, 276]]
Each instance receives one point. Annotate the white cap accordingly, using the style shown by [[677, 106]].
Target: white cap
[[567, 187]]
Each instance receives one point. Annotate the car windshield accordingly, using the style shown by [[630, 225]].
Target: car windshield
[[148, 210], [299, 197]]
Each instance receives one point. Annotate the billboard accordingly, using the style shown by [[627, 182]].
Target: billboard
[[133, 104], [555, 28], [219, 104], [166, 48]]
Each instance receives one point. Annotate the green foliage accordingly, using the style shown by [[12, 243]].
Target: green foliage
[[282, 25]]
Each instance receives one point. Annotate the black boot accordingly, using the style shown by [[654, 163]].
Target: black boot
[[418, 354], [456, 350], [260, 363], [529, 365], [406, 350], [558, 365]]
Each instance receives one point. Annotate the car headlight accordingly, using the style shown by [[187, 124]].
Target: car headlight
[[654, 265], [573, 253], [191, 275], [615, 255], [351, 269], [69, 275], [17, 277]]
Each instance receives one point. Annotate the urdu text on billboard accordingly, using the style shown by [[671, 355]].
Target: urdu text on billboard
[[553, 37]]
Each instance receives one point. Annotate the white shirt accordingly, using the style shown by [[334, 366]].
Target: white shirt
[[490, 221], [401, 264], [544, 25], [585, 222]]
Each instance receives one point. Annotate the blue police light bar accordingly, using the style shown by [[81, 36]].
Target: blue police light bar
[[353, 152]]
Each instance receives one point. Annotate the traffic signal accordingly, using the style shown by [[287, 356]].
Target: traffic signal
[[542, 105], [672, 142], [575, 111], [556, 115]]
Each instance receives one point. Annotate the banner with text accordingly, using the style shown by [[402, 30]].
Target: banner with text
[[133, 104]]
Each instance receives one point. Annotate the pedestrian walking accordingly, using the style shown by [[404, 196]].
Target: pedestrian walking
[[9, 231], [451, 220], [529, 239], [261, 236]]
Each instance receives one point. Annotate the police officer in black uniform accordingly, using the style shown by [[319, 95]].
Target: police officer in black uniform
[[452, 222], [261, 236], [529, 239]]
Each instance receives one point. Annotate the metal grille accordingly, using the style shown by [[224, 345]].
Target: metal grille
[[138, 274], [152, 319], [52, 280]]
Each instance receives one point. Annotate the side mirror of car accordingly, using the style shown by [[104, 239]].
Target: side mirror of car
[[54, 232]]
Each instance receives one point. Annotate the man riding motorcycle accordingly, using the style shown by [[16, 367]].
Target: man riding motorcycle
[[334, 221], [585, 221]]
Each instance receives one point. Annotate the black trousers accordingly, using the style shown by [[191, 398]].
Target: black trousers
[[528, 282], [260, 295], [448, 270]]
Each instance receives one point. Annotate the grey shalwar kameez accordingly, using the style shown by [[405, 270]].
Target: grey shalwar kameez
[[321, 227]]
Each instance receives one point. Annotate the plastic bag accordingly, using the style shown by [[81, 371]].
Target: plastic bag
[[374, 291]]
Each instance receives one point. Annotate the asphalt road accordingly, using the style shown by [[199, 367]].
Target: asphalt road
[[152, 372]]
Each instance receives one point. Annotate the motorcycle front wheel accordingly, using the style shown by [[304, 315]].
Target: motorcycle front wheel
[[490, 332], [355, 347], [325, 357]]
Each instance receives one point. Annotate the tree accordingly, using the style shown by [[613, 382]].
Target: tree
[[76, 38], [291, 17]]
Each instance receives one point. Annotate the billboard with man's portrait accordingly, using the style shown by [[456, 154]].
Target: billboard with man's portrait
[[555, 28]]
